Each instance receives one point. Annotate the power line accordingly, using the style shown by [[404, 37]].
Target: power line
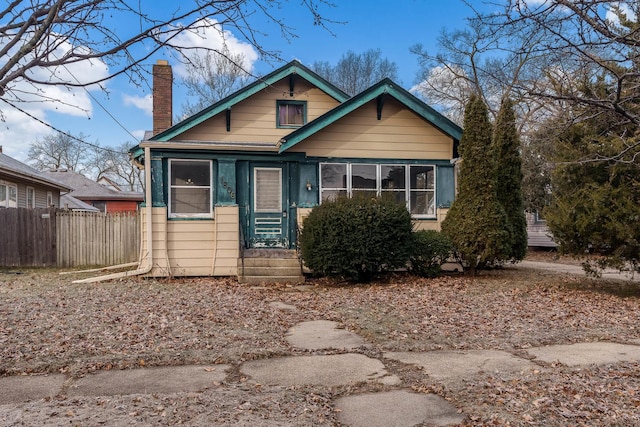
[[58, 130], [98, 102]]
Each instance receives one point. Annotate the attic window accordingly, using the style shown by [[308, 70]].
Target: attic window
[[291, 114]]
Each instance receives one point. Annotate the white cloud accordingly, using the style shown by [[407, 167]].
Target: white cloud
[[18, 129], [625, 8], [144, 103], [210, 35]]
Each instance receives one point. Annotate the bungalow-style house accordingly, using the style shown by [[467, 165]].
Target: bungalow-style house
[[22, 186], [101, 197], [228, 188]]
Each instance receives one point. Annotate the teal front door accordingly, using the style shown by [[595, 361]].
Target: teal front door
[[268, 222]]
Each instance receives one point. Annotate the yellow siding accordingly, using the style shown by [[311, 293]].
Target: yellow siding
[[424, 224], [254, 119], [194, 248], [400, 134]]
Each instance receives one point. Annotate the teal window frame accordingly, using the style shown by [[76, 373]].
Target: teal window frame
[[281, 103]]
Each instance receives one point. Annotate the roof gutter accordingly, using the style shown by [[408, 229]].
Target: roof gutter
[[149, 211]]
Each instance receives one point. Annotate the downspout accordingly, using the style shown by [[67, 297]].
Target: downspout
[[149, 224]]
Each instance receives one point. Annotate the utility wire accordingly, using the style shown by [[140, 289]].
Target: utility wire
[[58, 130]]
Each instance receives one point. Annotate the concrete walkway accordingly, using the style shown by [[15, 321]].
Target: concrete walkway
[[553, 267], [395, 405]]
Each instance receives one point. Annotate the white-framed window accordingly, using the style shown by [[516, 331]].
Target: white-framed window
[[49, 199], [8, 195], [411, 184], [190, 188], [31, 197], [291, 114]]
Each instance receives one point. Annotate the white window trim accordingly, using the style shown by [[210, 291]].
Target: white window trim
[[49, 199], [208, 215], [407, 189], [33, 197], [8, 185]]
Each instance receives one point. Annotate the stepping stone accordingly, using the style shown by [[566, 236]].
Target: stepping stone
[[460, 364], [322, 334], [282, 306], [397, 408], [23, 388], [163, 380], [329, 371], [590, 353]]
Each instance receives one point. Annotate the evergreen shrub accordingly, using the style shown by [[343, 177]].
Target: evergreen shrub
[[430, 250], [356, 238]]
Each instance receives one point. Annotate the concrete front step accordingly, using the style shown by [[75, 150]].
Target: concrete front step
[[262, 266], [265, 280], [271, 271]]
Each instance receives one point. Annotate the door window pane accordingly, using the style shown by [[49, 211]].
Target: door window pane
[[268, 189]]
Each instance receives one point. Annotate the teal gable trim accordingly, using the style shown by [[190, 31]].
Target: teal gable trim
[[292, 68], [385, 86]]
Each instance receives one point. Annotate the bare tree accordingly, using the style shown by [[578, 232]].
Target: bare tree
[[60, 151], [117, 166], [212, 77], [39, 39], [591, 50], [356, 72]]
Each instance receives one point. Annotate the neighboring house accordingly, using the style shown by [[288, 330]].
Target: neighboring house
[[94, 194], [538, 234], [244, 172], [22, 186]]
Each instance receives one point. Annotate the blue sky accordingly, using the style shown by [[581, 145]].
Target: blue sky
[[391, 26]]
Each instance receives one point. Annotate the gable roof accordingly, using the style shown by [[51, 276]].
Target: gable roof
[[17, 169], [292, 68], [385, 86], [85, 188]]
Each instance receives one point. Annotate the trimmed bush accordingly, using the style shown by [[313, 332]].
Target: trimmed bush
[[430, 250], [356, 238]]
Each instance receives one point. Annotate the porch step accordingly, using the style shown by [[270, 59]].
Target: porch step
[[264, 266]]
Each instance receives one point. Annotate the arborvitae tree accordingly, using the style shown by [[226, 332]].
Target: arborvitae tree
[[476, 222], [508, 162], [595, 205]]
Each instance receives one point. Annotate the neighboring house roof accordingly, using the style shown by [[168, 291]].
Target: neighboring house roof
[[17, 169], [382, 88], [293, 68], [70, 202], [87, 189], [109, 183]]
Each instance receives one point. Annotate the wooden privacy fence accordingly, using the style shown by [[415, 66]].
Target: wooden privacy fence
[[93, 238], [49, 237], [27, 237]]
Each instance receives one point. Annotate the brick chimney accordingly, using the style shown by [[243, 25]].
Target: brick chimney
[[162, 96]]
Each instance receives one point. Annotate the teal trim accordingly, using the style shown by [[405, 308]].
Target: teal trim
[[385, 86], [293, 67], [158, 192], [281, 102], [445, 182], [308, 174], [446, 163], [226, 183]]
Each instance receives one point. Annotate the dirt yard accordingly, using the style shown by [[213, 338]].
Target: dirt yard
[[49, 325]]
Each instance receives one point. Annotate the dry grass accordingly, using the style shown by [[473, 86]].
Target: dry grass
[[51, 325]]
